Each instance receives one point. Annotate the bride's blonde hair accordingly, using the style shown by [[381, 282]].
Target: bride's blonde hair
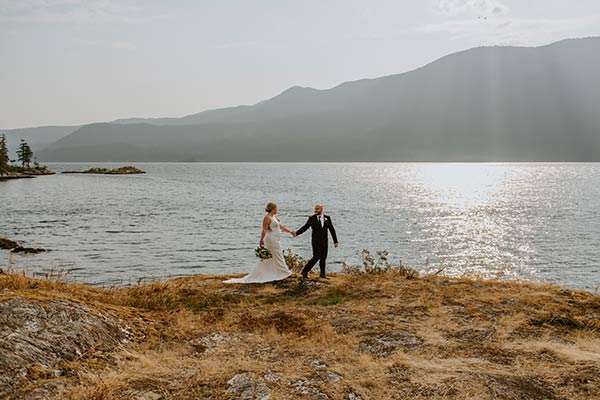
[[270, 207]]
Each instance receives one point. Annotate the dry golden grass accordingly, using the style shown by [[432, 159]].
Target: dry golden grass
[[378, 336]]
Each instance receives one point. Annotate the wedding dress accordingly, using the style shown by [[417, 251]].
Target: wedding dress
[[272, 269]]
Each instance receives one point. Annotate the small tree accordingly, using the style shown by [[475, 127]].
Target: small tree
[[24, 152], [4, 159]]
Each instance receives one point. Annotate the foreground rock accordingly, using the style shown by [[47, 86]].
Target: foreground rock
[[369, 336], [7, 244], [247, 386], [126, 170], [36, 337], [28, 250]]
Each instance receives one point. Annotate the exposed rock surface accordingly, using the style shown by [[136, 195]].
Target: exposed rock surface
[[45, 334], [384, 344], [14, 175], [16, 247], [309, 389], [24, 173], [247, 386], [377, 336], [207, 343], [28, 250], [7, 244]]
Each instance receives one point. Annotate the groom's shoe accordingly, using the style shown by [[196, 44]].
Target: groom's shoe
[[323, 277], [304, 275]]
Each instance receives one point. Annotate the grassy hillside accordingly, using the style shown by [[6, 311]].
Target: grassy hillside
[[356, 336]]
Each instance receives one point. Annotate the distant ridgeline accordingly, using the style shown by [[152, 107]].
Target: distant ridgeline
[[483, 104]]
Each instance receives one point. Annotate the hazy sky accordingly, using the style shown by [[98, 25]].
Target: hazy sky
[[79, 61]]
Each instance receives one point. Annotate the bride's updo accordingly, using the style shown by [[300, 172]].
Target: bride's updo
[[270, 207]]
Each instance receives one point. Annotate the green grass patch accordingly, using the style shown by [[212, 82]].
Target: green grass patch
[[330, 297]]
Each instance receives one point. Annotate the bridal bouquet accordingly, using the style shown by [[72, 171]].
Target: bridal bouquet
[[263, 253]]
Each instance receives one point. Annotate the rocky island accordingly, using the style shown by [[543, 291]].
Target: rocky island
[[25, 172], [28, 167], [388, 335], [126, 170]]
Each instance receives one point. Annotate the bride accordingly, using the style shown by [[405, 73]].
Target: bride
[[275, 268]]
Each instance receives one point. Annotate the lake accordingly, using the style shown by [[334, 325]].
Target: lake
[[509, 220]]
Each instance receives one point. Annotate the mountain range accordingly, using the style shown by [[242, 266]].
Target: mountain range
[[482, 104]]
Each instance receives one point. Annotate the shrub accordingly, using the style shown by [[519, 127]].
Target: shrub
[[294, 262], [378, 264]]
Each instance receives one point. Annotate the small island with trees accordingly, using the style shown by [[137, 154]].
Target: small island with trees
[[126, 170], [26, 165]]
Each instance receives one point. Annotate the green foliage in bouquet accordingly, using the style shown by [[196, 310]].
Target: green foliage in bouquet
[[263, 253]]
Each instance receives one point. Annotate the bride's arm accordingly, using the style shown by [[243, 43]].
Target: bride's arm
[[283, 228], [265, 229]]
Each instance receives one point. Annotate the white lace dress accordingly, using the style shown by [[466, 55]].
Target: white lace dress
[[273, 269]]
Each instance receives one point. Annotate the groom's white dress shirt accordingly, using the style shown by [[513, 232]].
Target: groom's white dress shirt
[[322, 220]]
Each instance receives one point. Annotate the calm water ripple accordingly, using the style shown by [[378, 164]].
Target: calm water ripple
[[516, 221]]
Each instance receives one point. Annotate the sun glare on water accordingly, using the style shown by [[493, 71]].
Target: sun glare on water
[[465, 186], [474, 221]]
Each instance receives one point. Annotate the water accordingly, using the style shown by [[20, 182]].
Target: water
[[522, 221]]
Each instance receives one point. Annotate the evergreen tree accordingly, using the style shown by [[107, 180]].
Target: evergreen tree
[[4, 159], [24, 152], [29, 155]]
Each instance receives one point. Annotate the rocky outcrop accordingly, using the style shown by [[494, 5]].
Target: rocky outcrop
[[384, 344], [247, 386], [7, 244], [41, 335], [25, 172], [16, 247], [28, 250], [14, 175], [364, 336]]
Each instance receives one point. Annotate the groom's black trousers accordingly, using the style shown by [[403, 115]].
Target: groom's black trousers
[[319, 241], [319, 254]]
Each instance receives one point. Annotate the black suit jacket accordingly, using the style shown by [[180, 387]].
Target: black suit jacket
[[319, 233]]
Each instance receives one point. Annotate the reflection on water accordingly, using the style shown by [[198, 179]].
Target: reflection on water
[[535, 221], [472, 207], [460, 186]]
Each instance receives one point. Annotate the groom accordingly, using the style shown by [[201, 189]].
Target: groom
[[319, 223]]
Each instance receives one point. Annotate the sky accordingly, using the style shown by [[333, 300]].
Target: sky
[[70, 62]]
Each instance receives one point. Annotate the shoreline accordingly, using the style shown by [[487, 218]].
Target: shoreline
[[26, 175], [353, 336]]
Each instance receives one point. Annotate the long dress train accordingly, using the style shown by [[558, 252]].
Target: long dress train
[[273, 269]]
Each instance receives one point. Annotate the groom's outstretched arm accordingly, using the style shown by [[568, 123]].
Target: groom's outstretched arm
[[304, 228], [332, 230]]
